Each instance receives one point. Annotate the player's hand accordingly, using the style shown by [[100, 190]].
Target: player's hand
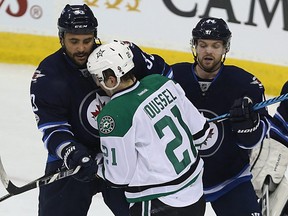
[[242, 116], [76, 154]]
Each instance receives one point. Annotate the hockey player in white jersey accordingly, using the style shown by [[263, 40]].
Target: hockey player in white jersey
[[148, 132]]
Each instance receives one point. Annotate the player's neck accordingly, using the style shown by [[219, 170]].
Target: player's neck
[[201, 73], [124, 85]]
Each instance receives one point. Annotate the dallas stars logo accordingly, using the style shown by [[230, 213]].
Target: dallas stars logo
[[107, 125], [100, 53]]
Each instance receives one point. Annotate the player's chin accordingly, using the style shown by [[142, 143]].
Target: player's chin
[[81, 61], [208, 62], [209, 69]]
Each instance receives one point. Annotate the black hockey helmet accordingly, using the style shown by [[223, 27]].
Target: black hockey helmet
[[212, 28], [77, 19]]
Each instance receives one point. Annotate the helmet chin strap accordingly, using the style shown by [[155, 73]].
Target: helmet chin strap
[[111, 88]]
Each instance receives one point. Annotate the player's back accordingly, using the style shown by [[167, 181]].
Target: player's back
[[152, 132]]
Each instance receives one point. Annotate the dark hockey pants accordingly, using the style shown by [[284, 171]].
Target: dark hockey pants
[[240, 201], [157, 208], [70, 197]]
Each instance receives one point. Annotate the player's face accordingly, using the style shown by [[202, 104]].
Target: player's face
[[209, 54], [78, 47]]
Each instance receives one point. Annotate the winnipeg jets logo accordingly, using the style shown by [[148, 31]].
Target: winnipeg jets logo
[[99, 105], [205, 142], [89, 109], [255, 81], [77, 12], [212, 21], [37, 74], [215, 137]]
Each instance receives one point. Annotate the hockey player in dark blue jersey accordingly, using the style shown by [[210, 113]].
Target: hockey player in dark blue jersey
[[66, 105], [216, 89]]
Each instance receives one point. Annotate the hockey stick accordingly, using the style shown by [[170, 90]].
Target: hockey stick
[[255, 107], [265, 205], [44, 180]]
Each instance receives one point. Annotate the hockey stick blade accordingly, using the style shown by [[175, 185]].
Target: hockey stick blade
[[255, 107], [44, 180]]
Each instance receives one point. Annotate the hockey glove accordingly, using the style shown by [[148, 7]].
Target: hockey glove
[[242, 116], [76, 154]]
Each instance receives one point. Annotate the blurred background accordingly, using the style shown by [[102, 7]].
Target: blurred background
[[28, 30]]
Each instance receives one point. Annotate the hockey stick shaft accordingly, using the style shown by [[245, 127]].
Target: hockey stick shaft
[[255, 107], [265, 203], [44, 180]]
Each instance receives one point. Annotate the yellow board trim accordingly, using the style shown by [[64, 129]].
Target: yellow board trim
[[31, 49]]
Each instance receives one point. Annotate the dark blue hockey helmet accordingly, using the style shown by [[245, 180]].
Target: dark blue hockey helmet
[[212, 28], [77, 19]]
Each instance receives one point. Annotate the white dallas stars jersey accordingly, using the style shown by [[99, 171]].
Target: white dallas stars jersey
[[148, 135]]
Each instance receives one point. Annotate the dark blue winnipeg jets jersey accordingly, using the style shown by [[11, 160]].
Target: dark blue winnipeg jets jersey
[[226, 161], [66, 101], [279, 122]]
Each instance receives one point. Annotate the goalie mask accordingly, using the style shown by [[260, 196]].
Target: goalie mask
[[115, 56]]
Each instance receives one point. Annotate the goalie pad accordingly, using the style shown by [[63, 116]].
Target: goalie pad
[[278, 199], [271, 158]]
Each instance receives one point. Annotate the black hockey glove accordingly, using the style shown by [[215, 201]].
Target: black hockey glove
[[242, 116], [76, 154]]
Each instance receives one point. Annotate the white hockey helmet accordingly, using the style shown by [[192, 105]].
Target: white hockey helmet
[[116, 56]]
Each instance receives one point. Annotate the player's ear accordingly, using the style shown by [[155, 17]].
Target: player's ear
[[112, 80], [61, 41], [224, 50]]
